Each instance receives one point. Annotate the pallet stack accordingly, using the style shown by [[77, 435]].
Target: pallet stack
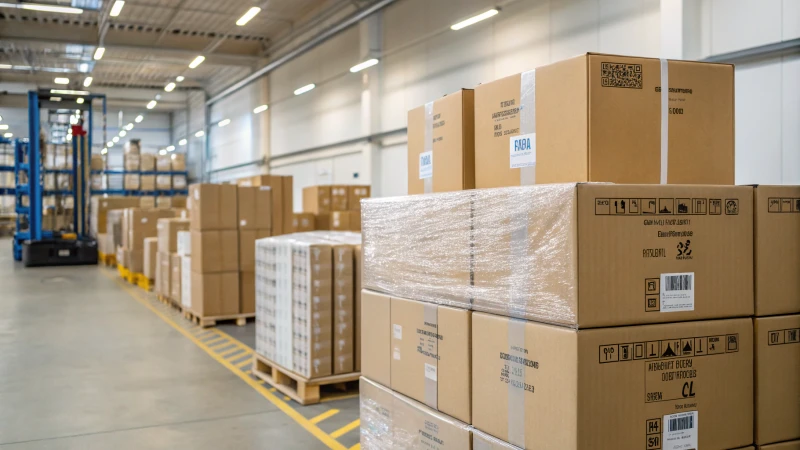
[[167, 259], [581, 315], [331, 207]]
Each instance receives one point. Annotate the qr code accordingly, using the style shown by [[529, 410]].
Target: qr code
[[621, 75]]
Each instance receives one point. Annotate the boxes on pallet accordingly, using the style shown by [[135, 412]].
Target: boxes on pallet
[[599, 117], [147, 183], [213, 206], [448, 126], [247, 248], [346, 221], [355, 194], [175, 278], [101, 205], [683, 385], [186, 282], [163, 163], [214, 294], [339, 198], [247, 292], [113, 224], [167, 231], [254, 207], [163, 182], [777, 378], [543, 252], [215, 251], [163, 273], [150, 258], [303, 222], [343, 308], [184, 243], [147, 162], [141, 223], [317, 199]]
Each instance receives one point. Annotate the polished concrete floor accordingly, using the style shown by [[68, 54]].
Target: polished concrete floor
[[83, 365]]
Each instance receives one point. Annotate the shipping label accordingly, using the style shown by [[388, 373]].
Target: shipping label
[[425, 165], [680, 431], [522, 151], [677, 292]]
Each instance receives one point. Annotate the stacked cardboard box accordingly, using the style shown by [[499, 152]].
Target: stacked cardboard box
[[255, 222], [282, 199], [150, 257], [185, 252], [168, 230], [335, 207], [138, 224], [101, 205]]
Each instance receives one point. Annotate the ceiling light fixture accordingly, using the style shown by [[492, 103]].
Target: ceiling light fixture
[[474, 19], [55, 99], [68, 92], [200, 133], [139, 118], [104, 151], [115, 139], [98, 54], [5, 66], [152, 104], [69, 137], [169, 87], [3, 127], [87, 82], [109, 144], [117, 8], [129, 126], [8, 135], [171, 148], [248, 15], [180, 78], [44, 8], [260, 109], [304, 89], [61, 80], [79, 100], [224, 122], [122, 133], [197, 61], [363, 65], [73, 120], [162, 152], [182, 142]]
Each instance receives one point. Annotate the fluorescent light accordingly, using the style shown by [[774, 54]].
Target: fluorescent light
[[158, 96], [69, 137], [45, 8], [364, 65], [73, 120], [260, 109], [473, 20], [3, 127], [182, 142], [61, 80], [77, 112], [115, 139], [197, 61], [117, 8], [79, 100], [180, 78], [200, 133], [88, 82], [109, 144], [8, 135], [98, 54], [139, 118], [171, 148], [304, 89], [122, 133], [104, 151], [248, 15], [162, 152], [55, 99], [83, 67], [152, 104], [224, 122], [68, 92], [129, 126], [5, 66], [169, 87]]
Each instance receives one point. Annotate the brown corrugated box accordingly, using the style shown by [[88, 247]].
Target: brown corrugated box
[[175, 277], [135, 260], [429, 344], [163, 274], [213, 206], [288, 203], [168, 233], [451, 165], [214, 294], [247, 248], [247, 292], [355, 194], [317, 199], [100, 206], [164, 182], [147, 182], [345, 221], [322, 222], [150, 260], [281, 201], [312, 327], [215, 251], [343, 309], [131, 161], [598, 118], [303, 222], [339, 197], [777, 378], [147, 202], [147, 162], [777, 250], [794, 445], [483, 441], [669, 386], [163, 163], [131, 182], [255, 208], [141, 223], [178, 162]]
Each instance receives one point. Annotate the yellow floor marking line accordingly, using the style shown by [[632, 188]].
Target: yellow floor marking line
[[333, 398], [286, 398], [345, 429], [245, 363], [220, 345], [356, 447], [214, 341], [325, 415], [261, 381], [232, 351], [273, 389], [283, 406]]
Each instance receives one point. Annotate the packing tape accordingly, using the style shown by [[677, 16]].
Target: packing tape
[[480, 444], [516, 383], [428, 148], [527, 121], [664, 119], [431, 316]]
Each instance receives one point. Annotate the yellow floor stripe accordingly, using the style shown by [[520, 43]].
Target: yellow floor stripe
[[283, 406], [346, 429], [220, 345], [356, 447], [325, 415], [232, 351], [286, 398], [245, 363], [273, 389], [261, 381], [214, 341]]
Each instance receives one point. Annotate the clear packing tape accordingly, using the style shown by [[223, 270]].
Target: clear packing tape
[[508, 251]]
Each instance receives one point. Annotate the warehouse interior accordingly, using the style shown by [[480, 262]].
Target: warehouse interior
[[170, 172]]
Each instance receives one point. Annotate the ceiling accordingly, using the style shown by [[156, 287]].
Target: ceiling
[[152, 42]]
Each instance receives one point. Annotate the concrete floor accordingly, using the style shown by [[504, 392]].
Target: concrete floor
[[83, 365]]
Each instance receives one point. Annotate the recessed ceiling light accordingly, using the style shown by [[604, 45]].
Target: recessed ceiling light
[[197, 61], [79, 100], [61, 80], [68, 92], [182, 142], [122, 133], [248, 15], [129, 126], [474, 19], [3, 127], [180, 78], [139, 118], [98, 54], [44, 8], [8, 135], [55, 99], [260, 109], [169, 87], [224, 122], [364, 65], [117, 8], [200, 133], [88, 82], [152, 104], [170, 148], [115, 139], [109, 144], [305, 89]]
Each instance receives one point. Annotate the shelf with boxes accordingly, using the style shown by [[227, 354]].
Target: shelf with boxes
[[331, 207], [139, 173]]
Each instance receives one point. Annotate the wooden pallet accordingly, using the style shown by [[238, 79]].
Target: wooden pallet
[[107, 259], [168, 301], [144, 282], [301, 389], [240, 319]]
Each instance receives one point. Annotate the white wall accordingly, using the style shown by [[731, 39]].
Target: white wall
[[17, 121]]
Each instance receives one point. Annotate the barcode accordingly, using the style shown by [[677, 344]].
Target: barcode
[[621, 75], [681, 423], [678, 282]]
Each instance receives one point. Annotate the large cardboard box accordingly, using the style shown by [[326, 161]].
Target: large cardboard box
[[163, 182], [287, 186], [184, 247], [794, 445], [777, 250], [132, 161], [322, 222], [679, 385], [168, 230], [147, 162], [135, 261], [483, 441], [343, 308], [777, 378], [214, 294], [339, 197], [131, 182], [142, 223], [429, 343], [213, 207], [247, 292], [247, 248], [215, 251], [255, 207], [358, 260], [585, 255], [303, 222], [279, 205], [175, 277], [150, 260], [317, 199], [598, 117], [390, 420], [147, 182], [448, 162], [147, 202], [355, 194], [163, 163], [178, 162], [100, 206], [163, 274], [346, 221]]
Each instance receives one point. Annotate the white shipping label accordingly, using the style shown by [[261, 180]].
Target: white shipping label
[[396, 354], [677, 292], [522, 150], [242, 223], [144, 219], [425, 165], [397, 331], [430, 372], [197, 194], [265, 188], [680, 431]]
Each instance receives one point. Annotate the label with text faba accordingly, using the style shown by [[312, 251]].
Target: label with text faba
[[522, 151]]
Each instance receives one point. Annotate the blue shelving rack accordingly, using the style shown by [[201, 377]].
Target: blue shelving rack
[[138, 192], [5, 168]]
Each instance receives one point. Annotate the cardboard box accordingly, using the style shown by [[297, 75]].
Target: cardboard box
[[288, 203], [131, 182], [163, 273], [585, 255], [178, 162], [339, 198], [186, 282], [777, 250], [101, 205], [346, 221], [303, 222], [247, 248], [390, 420], [483, 441], [175, 277], [147, 202], [247, 292], [255, 208], [178, 201], [148, 182], [357, 258], [179, 182], [141, 223], [777, 378], [322, 222], [135, 260], [213, 206], [448, 163], [96, 162], [150, 263], [163, 202], [163, 182], [317, 199], [168, 230], [680, 385], [214, 294], [598, 117], [215, 251], [355, 194], [184, 246], [428, 343], [147, 162], [131, 161], [794, 445], [343, 308], [279, 199], [163, 163]]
